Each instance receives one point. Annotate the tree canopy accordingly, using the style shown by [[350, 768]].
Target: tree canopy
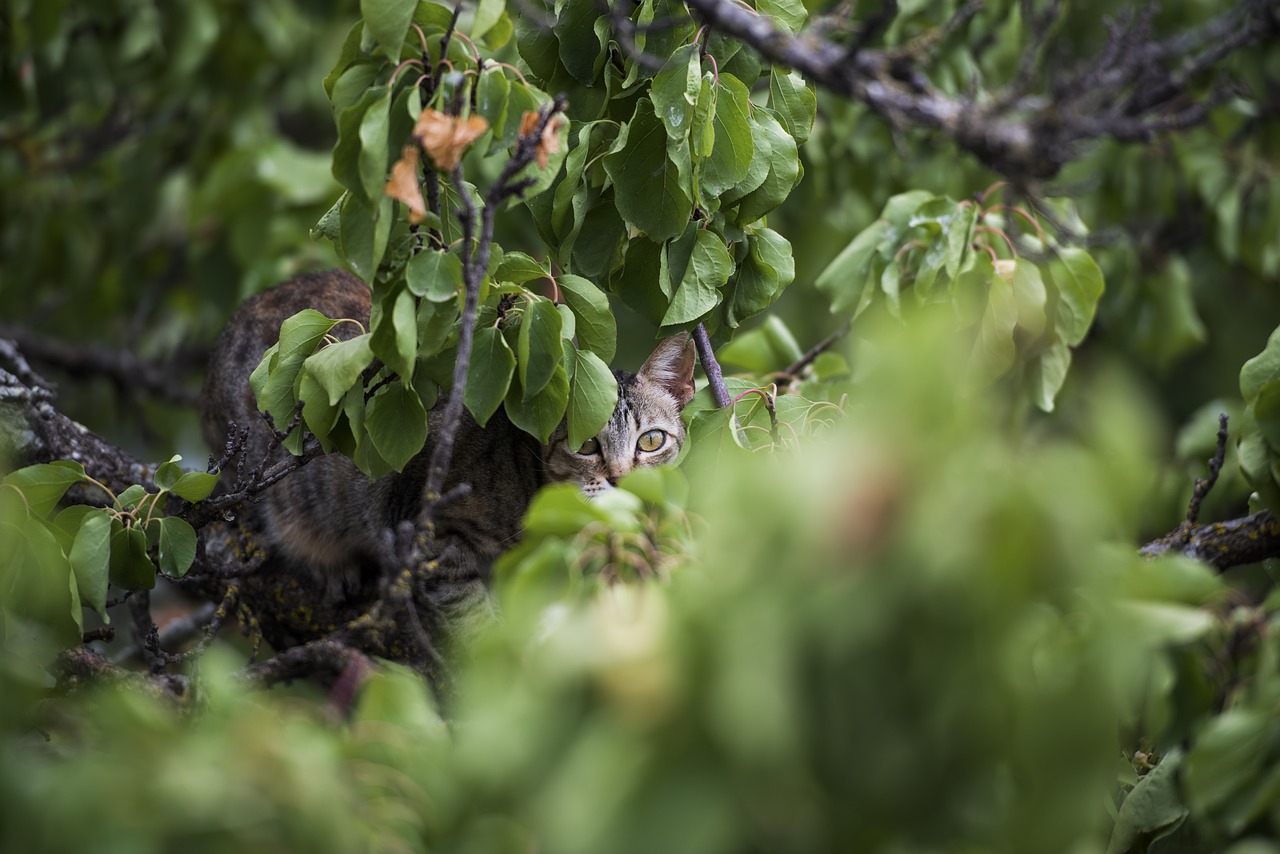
[[972, 547]]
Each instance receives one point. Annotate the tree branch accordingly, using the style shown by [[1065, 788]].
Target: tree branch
[[707, 356], [1223, 544], [122, 367], [1134, 87]]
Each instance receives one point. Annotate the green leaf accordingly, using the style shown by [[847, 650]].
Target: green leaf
[[517, 267], [537, 45], [44, 485], [994, 351], [492, 93], [596, 328], [647, 185], [195, 485], [337, 367], [787, 14], [844, 281], [350, 52], [733, 150], [598, 249], [568, 323], [90, 558], [766, 271], [394, 339], [562, 510], [355, 161], [1079, 283], [1226, 758], [784, 171], [36, 580], [492, 366], [1254, 458], [579, 45], [397, 423], [362, 234], [388, 21], [763, 350], [538, 344], [1154, 806], [1266, 412], [1032, 298], [277, 388], [167, 473], [702, 136], [570, 194], [374, 127], [177, 546], [434, 275], [435, 325], [1262, 369], [698, 281], [1046, 374], [593, 396], [130, 498], [794, 102], [488, 13], [130, 567], [675, 91], [639, 283], [541, 413]]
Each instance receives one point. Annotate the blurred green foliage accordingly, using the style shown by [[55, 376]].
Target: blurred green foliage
[[907, 634], [889, 611]]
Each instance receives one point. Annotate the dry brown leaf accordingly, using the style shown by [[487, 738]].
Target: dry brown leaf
[[549, 144], [445, 138], [404, 187]]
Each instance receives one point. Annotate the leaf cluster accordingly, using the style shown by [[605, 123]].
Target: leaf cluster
[[57, 559]]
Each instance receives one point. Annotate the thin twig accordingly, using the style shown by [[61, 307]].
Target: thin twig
[[793, 370], [1204, 484]]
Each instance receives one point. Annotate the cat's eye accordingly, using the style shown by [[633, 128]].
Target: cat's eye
[[652, 441], [589, 447]]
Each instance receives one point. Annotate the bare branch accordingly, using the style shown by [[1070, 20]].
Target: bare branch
[[122, 367], [1223, 544], [1136, 86]]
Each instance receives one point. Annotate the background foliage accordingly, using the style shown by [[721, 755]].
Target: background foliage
[[892, 599]]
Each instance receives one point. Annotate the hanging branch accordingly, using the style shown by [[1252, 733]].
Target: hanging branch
[[1134, 87]]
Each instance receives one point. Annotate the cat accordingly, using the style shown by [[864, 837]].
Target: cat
[[327, 520]]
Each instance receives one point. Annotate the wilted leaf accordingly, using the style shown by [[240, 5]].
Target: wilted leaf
[[446, 138], [549, 142], [404, 187]]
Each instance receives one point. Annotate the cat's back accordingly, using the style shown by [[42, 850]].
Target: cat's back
[[255, 327]]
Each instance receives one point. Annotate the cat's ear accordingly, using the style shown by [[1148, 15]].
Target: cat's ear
[[670, 367]]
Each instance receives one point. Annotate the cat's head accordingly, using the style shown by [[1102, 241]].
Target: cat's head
[[645, 429]]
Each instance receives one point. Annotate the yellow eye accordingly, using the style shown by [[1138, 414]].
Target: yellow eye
[[589, 447], [652, 441]]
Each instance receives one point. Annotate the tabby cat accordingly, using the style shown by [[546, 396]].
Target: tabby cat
[[327, 520]]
